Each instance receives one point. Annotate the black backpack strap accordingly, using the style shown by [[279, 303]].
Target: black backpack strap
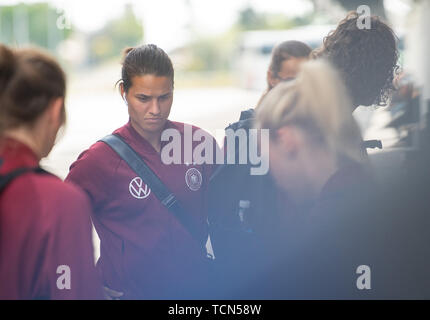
[[246, 121], [9, 177], [372, 144], [167, 198]]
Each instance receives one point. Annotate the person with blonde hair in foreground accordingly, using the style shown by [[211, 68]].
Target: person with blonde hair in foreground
[[313, 134], [318, 164]]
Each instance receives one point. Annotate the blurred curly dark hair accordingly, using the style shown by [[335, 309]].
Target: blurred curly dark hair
[[366, 58]]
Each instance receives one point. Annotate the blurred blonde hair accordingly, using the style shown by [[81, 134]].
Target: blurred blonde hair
[[317, 102]]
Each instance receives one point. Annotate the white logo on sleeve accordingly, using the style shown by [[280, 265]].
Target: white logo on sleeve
[[139, 189], [194, 179]]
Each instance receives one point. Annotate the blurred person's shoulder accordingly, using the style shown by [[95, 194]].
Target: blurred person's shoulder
[[350, 197], [52, 198], [98, 157], [352, 177], [95, 166], [68, 197]]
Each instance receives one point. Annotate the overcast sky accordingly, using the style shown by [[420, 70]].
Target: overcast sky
[[165, 20]]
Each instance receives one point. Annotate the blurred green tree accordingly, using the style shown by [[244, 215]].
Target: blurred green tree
[[216, 52], [249, 20], [211, 53], [125, 31], [35, 24]]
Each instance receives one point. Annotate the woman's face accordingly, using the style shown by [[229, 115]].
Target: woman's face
[[293, 161], [285, 153], [288, 71], [290, 68], [149, 102]]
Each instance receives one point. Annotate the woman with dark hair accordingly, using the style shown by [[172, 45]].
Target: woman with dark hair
[[147, 252], [45, 229], [366, 58]]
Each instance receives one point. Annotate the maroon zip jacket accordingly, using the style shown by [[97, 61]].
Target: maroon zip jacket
[[145, 251], [44, 226]]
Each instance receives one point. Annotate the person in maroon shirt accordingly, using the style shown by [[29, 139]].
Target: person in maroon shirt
[[146, 252], [45, 229]]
